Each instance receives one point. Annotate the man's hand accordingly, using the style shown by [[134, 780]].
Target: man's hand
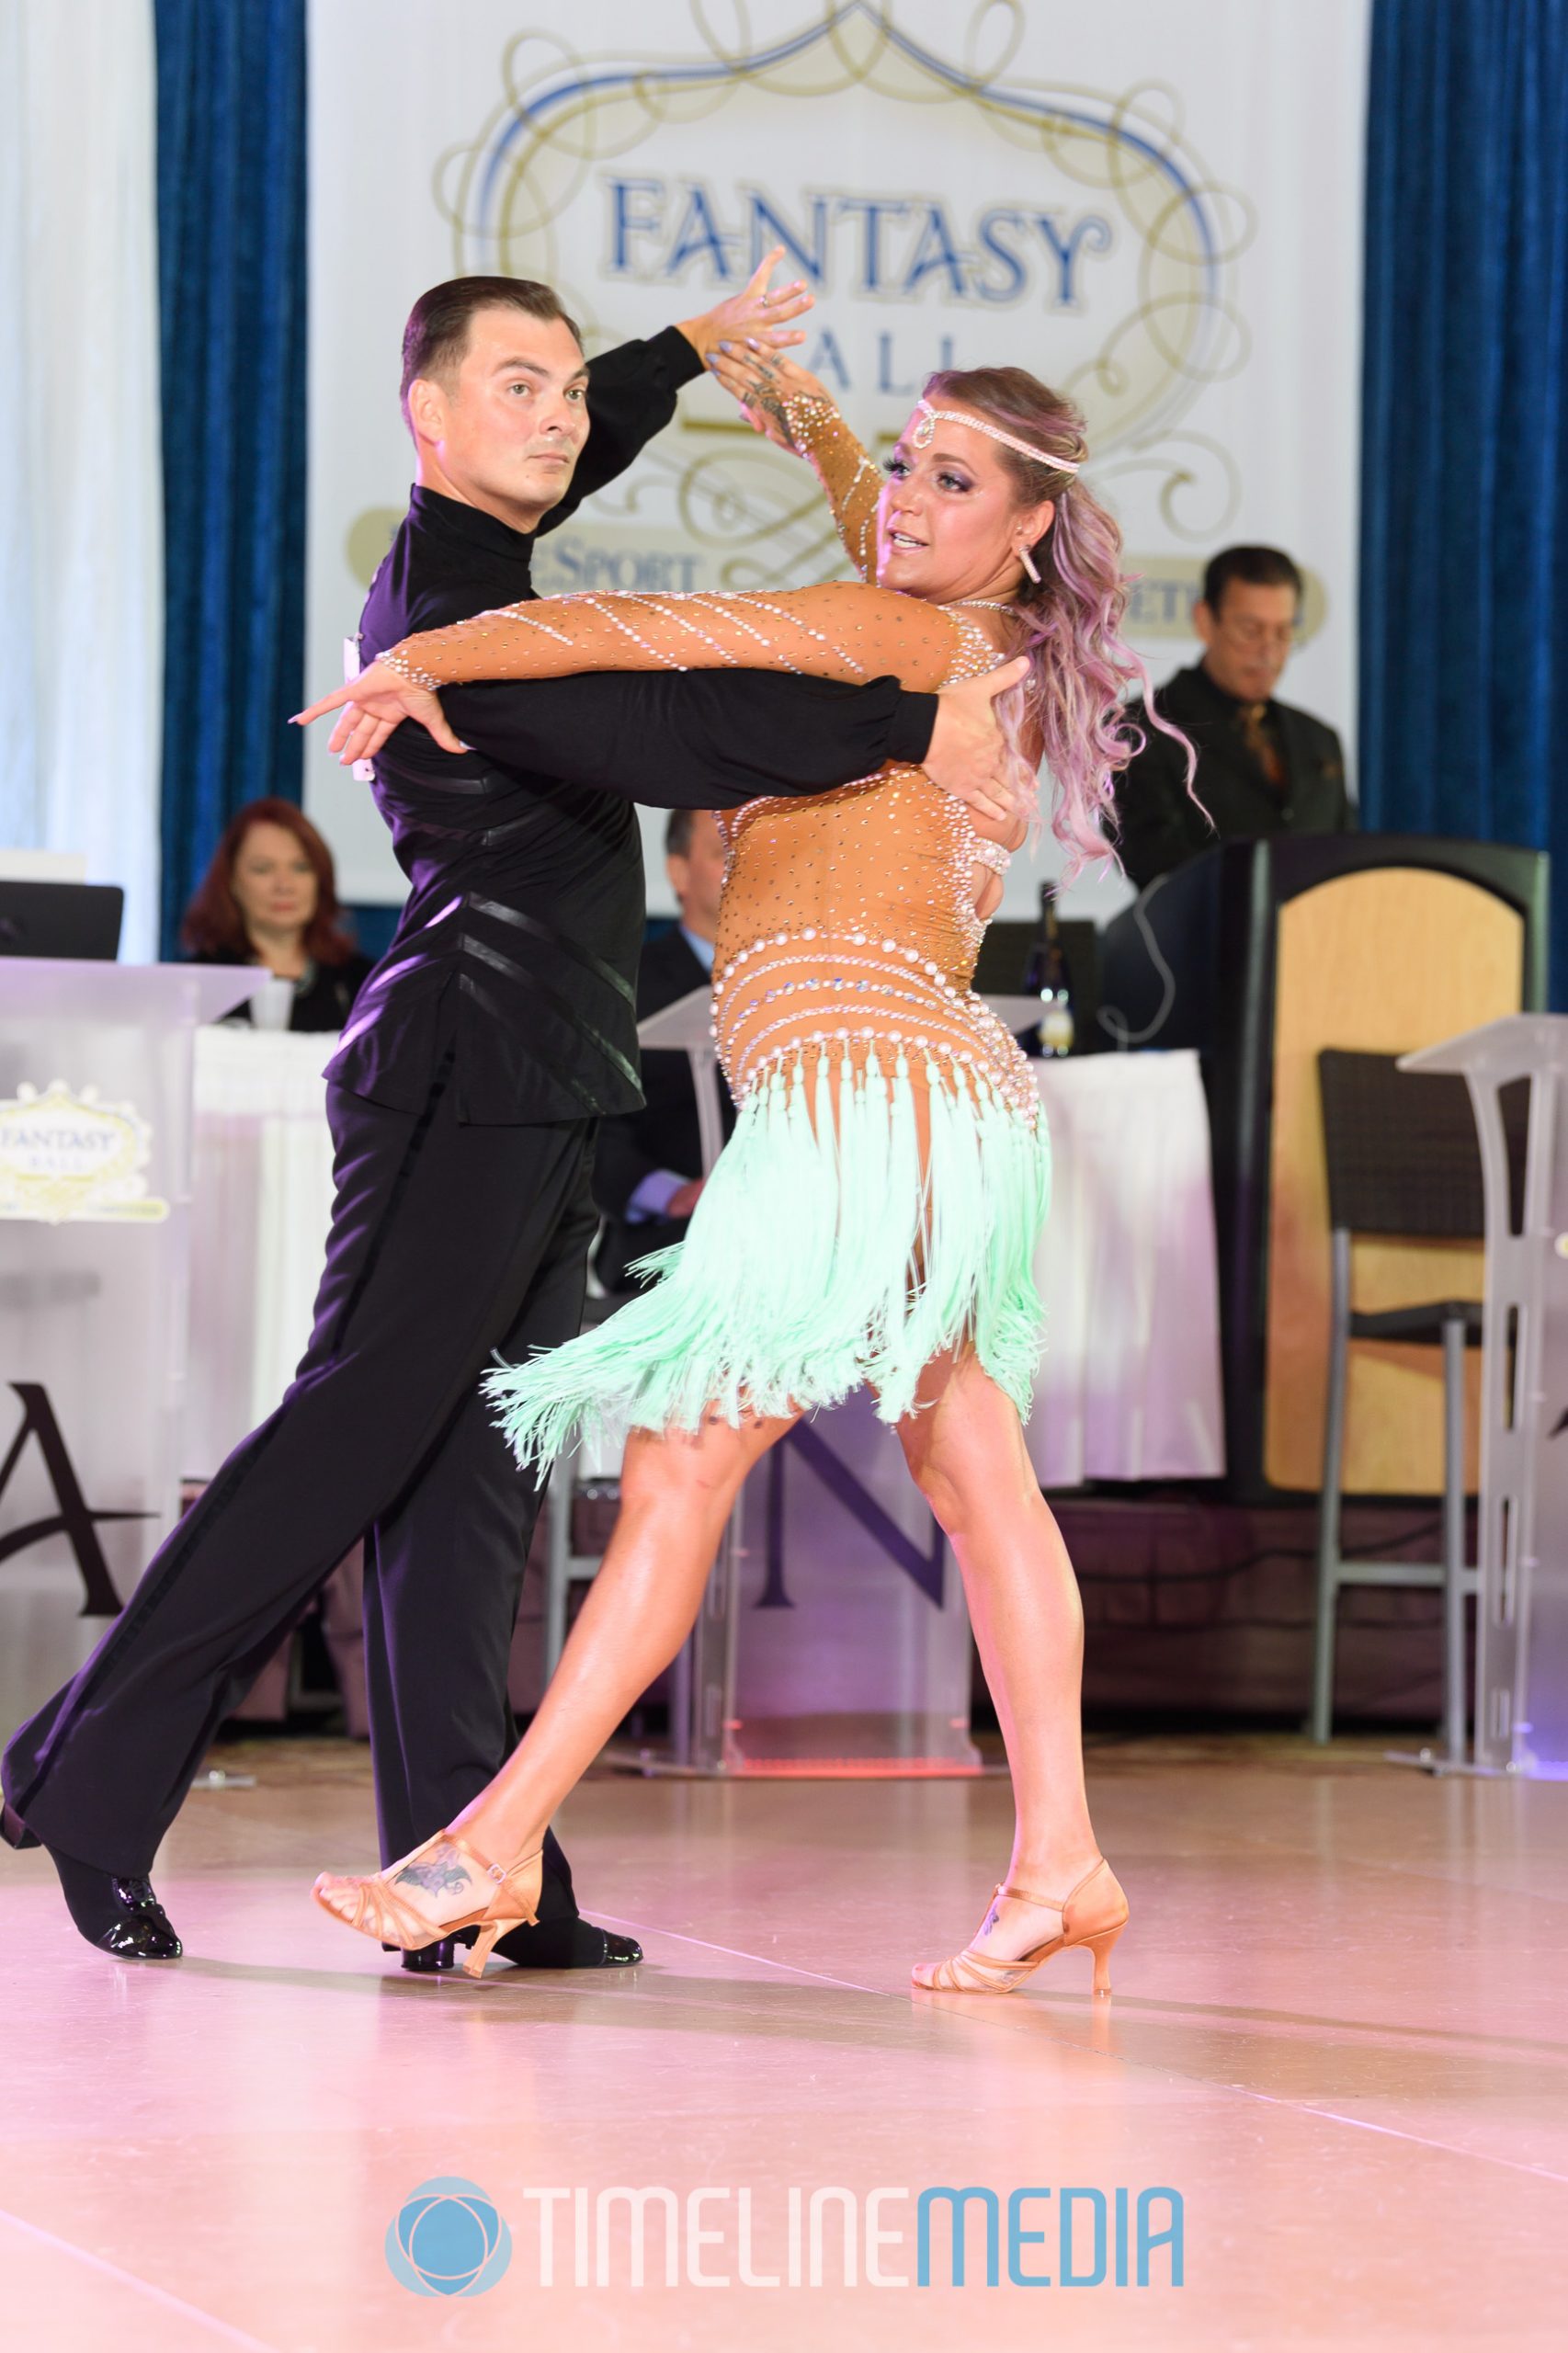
[[969, 755], [754, 314], [685, 1198]]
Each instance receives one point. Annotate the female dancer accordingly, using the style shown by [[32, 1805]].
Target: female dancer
[[875, 1215]]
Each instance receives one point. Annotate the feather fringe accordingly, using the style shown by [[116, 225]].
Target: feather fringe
[[820, 1256]]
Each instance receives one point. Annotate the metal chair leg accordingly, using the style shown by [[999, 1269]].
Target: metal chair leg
[[1455, 1732], [558, 1506], [1322, 1721]]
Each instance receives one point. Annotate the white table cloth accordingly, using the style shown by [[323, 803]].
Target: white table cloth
[[1130, 1385], [261, 1203]]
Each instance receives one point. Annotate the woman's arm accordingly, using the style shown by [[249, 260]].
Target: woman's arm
[[793, 410], [840, 630], [964, 754], [632, 389]]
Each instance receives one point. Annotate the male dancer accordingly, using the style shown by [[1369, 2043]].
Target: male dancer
[[463, 1099]]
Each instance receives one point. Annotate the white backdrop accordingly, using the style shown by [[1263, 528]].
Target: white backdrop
[[81, 523], [1158, 207]]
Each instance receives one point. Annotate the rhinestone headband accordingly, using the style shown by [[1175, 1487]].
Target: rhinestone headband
[[926, 428]]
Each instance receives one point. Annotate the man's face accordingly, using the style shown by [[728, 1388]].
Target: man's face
[[505, 433], [698, 879], [1247, 643]]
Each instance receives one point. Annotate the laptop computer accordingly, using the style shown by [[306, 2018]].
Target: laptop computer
[[78, 920]]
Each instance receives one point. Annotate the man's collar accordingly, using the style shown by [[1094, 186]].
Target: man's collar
[[701, 949], [455, 517]]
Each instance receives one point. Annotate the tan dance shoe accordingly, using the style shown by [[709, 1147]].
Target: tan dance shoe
[[1095, 1921], [444, 1865]]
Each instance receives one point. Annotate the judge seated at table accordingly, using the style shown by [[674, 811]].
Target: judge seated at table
[[269, 898], [1263, 766], [648, 1165]]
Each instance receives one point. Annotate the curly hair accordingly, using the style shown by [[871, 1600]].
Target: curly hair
[[1070, 624]]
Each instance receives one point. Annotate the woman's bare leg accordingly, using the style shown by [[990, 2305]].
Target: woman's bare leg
[[965, 1447], [676, 1492]]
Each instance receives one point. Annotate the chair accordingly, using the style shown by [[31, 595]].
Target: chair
[[563, 1565], [1403, 1159]]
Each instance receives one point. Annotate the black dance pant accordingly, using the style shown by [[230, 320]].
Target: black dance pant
[[451, 1248]]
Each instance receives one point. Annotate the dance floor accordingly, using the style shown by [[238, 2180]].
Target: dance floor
[[1339, 2035]]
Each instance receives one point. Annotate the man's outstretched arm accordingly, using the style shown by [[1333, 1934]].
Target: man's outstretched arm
[[714, 739], [632, 389]]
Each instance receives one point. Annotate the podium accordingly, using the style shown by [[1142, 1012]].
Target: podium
[[1521, 1659], [95, 1131], [1261, 953]]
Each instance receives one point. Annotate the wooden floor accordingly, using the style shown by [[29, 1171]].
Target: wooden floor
[[1339, 2031]]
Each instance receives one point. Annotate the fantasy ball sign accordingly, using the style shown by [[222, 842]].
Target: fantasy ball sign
[[1079, 193]]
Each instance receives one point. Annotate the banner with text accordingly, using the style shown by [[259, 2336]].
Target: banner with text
[[1157, 207]]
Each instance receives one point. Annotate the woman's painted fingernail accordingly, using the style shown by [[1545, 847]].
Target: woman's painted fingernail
[[723, 346]]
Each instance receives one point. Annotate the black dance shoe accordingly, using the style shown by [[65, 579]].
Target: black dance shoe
[[552, 1944], [117, 1911], [571, 1943]]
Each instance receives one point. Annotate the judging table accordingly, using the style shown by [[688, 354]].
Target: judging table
[[1129, 1380]]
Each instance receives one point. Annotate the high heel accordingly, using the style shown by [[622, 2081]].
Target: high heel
[[1096, 1924], [375, 1907]]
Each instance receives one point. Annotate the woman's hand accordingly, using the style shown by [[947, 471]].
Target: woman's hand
[[372, 705], [762, 381]]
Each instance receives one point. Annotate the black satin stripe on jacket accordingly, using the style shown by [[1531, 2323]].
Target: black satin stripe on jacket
[[518, 943]]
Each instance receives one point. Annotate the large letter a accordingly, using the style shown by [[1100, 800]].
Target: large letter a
[[75, 1520]]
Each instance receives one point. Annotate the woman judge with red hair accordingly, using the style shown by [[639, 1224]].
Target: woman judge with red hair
[[270, 897]]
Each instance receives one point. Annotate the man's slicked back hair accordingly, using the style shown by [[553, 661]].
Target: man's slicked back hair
[[1259, 567], [436, 337]]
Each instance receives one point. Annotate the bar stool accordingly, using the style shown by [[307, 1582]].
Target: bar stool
[[1403, 1159]]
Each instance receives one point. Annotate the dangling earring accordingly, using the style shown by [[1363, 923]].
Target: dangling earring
[[1027, 560]]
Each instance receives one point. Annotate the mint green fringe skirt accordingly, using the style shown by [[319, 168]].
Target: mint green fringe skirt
[[820, 1256]]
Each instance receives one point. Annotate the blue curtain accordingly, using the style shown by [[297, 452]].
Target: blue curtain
[[1464, 545], [231, 286]]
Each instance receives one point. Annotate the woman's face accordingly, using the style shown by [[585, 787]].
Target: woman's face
[[948, 524], [274, 882]]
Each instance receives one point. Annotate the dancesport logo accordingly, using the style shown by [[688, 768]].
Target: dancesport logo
[[447, 2240], [1049, 208], [65, 1156]]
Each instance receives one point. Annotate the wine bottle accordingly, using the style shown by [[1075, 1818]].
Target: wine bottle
[[1047, 978]]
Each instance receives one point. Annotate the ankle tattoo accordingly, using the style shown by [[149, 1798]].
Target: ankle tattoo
[[437, 1877]]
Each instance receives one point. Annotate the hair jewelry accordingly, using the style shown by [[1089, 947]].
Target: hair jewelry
[[925, 429]]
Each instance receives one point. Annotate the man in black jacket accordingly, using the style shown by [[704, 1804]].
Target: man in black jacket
[[496, 1032], [648, 1168], [1263, 767]]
